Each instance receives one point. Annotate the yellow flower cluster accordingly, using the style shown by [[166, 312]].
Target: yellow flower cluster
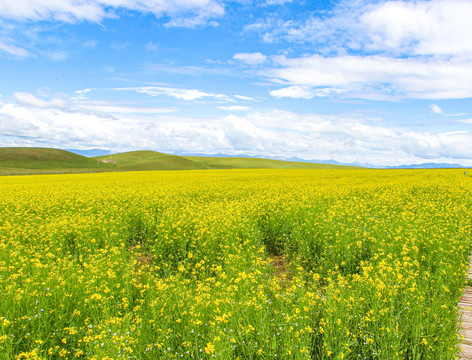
[[228, 264]]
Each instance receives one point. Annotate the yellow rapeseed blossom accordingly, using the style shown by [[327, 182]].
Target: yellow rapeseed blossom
[[234, 263]]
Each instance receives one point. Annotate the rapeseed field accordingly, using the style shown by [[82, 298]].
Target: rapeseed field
[[234, 264]]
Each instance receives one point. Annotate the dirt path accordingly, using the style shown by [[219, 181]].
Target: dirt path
[[465, 308]]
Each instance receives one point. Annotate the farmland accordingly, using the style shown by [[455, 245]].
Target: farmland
[[228, 264]]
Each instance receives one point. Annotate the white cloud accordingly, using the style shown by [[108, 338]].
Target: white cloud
[[304, 92], [377, 50], [437, 27], [187, 70], [184, 94], [188, 13], [377, 76], [31, 100], [234, 108], [295, 91], [251, 58], [81, 94], [81, 104], [62, 10], [436, 109], [311, 30], [277, 2], [113, 108], [272, 133], [13, 50], [243, 97]]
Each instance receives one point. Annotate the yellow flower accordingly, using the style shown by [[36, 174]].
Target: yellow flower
[[209, 349]]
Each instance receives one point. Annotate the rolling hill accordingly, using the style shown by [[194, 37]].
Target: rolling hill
[[149, 160], [152, 160], [44, 160], [255, 163], [18, 160]]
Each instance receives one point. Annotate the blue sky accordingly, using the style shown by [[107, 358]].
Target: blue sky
[[367, 81]]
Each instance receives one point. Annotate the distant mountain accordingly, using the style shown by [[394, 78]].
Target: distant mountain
[[254, 161], [90, 152], [279, 158], [334, 162], [427, 166]]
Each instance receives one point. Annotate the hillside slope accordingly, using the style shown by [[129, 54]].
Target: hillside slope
[[149, 160], [18, 160], [45, 159], [256, 163]]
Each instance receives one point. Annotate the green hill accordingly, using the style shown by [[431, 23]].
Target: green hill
[[152, 160], [34, 160], [149, 160], [256, 163], [44, 160]]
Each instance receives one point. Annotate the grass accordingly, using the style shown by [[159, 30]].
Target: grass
[[22, 161], [255, 163], [150, 160]]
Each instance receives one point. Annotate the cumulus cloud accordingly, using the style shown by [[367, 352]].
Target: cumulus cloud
[[251, 58], [437, 27], [350, 138], [377, 76], [188, 13]]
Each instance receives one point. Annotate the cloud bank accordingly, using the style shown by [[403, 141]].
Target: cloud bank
[[375, 77], [348, 138]]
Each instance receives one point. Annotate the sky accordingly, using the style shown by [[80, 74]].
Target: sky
[[366, 81]]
